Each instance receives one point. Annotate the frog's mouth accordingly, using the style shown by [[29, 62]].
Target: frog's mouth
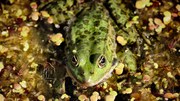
[[88, 82], [107, 75]]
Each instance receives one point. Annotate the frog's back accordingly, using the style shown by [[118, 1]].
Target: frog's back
[[91, 25]]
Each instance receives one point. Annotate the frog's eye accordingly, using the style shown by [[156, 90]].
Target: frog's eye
[[101, 61], [75, 61]]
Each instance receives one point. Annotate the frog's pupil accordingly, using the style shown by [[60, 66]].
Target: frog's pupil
[[102, 61], [75, 61]]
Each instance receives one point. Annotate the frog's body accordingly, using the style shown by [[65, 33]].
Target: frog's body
[[91, 42], [91, 47]]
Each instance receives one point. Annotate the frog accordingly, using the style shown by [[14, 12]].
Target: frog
[[90, 41]]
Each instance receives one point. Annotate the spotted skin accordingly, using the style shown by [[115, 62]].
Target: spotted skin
[[91, 46], [91, 38]]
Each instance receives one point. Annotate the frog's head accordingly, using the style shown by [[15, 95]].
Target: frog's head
[[90, 66]]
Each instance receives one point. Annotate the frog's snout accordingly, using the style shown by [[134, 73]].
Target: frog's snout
[[87, 79], [88, 82]]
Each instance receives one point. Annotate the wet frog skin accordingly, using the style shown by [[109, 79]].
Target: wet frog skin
[[91, 41], [91, 47]]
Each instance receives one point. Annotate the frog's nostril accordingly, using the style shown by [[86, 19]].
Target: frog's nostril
[[81, 72], [91, 72]]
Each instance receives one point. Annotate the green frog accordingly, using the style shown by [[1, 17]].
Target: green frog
[[91, 45]]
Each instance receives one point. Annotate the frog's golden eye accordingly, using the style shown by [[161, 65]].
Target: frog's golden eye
[[75, 61], [101, 61]]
